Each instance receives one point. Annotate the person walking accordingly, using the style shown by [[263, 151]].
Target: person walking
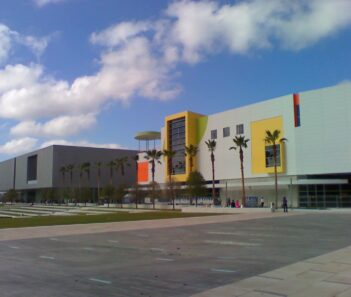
[[262, 202], [285, 204]]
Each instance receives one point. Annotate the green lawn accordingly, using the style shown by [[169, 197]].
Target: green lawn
[[87, 219]]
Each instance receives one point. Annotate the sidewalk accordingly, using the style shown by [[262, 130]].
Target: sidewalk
[[328, 275]]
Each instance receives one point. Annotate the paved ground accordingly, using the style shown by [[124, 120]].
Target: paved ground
[[152, 258]]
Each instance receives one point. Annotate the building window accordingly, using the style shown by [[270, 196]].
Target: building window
[[239, 129], [226, 132], [213, 134], [32, 163], [270, 156], [176, 132]]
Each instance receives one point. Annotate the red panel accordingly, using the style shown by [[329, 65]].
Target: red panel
[[143, 172], [297, 110], [296, 99]]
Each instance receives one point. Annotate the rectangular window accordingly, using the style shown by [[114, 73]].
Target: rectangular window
[[213, 134], [297, 110], [226, 132], [270, 156], [32, 163], [176, 132], [239, 129]]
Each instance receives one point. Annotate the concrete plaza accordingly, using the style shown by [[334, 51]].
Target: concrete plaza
[[246, 254]]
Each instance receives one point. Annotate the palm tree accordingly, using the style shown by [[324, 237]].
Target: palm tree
[[136, 160], [169, 154], [63, 172], [273, 138], [191, 151], [69, 168], [121, 163], [83, 167], [241, 142], [211, 145], [153, 156], [98, 166], [87, 169], [111, 165]]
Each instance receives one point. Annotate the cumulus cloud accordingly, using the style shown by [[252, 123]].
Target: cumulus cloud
[[18, 146], [10, 37], [120, 33], [140, 58], [60, 126], [5, 42], [129, 71], [42, 3], [204, 27]]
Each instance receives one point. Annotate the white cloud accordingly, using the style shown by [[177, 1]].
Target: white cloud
[[18, 146], [129, 71], [81, 143], [42, 3], [140, 58], [10, 37], [14, 77], [5, 42], [60, 126], [35, 44], [204, 27], [120, 33]]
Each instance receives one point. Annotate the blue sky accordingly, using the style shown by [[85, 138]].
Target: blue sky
[[88, 72]]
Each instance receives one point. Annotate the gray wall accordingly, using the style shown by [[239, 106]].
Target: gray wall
[[6, 175], [52, 158], [44, 169], [65, 155]]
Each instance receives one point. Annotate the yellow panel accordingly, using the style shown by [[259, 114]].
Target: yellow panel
[[190, 138], [258, 134]]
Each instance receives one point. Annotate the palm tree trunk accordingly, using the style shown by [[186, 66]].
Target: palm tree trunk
[[98, 188], [171, 188], [136, 184], [242, 178], [275, 175], [153, 184], [213, 179]]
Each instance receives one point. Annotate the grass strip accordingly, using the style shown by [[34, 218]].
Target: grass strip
[[99, 218]]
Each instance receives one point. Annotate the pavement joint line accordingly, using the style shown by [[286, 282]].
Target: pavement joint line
[[223, 270], [142, 235], [47, 257], [339, 262], [270, 277], [165, 259], [106, 282], [336, 282], [272, 293], [87, 248], [227, 258], [227, 242]]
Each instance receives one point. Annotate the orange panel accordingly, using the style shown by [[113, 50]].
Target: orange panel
[[143, 172]]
